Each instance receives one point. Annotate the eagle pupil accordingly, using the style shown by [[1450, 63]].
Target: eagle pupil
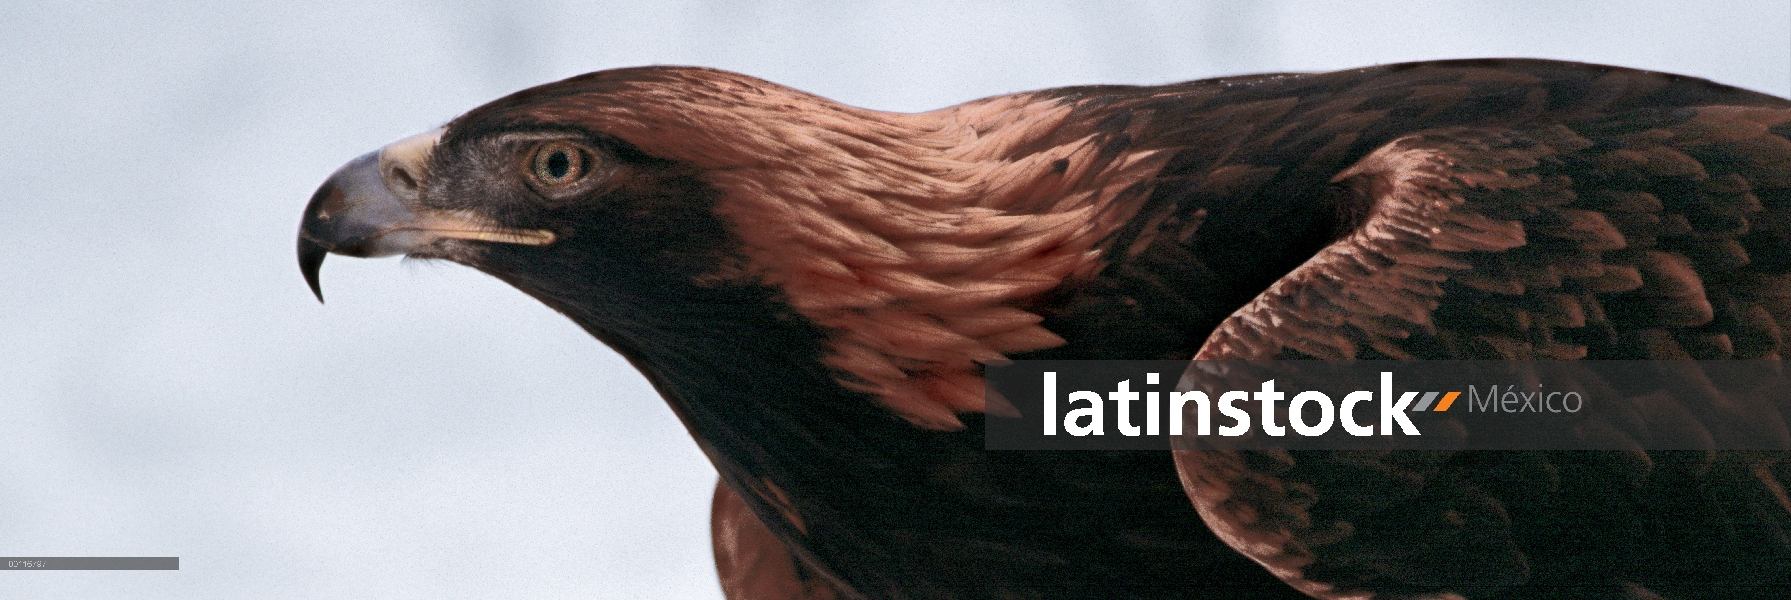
[[558, 165]]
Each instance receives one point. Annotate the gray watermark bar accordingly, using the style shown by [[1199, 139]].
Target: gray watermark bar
[[90, 563], [1615, 405]]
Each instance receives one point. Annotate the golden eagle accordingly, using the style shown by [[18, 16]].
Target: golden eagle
[[815, 287]]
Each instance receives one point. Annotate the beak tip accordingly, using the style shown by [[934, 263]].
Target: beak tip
[[310, 256]]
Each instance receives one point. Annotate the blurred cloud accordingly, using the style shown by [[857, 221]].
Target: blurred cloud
[[168, 387]]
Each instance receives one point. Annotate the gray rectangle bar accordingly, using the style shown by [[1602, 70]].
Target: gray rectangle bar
[[89, 563], [1616, 405]]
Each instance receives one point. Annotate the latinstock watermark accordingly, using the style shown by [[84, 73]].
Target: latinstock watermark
[[1459, 405]]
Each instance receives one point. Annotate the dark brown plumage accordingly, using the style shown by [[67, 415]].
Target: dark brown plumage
[[812, 287]]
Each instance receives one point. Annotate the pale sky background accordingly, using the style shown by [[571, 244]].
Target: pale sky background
[[168, 387]]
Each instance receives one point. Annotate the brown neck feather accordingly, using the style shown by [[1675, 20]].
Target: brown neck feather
[[916, 241]]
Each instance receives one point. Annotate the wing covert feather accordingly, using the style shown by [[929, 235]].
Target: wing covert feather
[[1640, 235]]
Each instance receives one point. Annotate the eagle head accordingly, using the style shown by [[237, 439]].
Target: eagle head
[[667, 209], [537, 189]]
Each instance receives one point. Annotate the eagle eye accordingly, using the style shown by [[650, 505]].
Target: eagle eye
[[559, 164]]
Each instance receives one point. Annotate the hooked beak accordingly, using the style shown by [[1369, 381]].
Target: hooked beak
[[369, 208]]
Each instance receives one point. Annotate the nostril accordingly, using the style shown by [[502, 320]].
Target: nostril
[[404, 178], [403, 182], [403, 165]]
